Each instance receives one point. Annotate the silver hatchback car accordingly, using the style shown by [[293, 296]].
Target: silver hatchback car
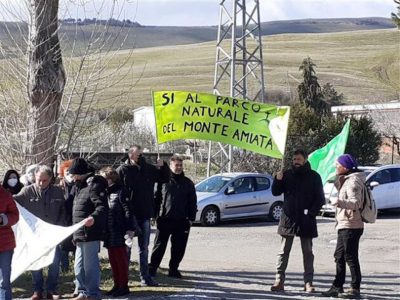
[[236, 195]]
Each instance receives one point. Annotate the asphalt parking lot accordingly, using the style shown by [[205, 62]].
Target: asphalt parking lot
[[236, 260]]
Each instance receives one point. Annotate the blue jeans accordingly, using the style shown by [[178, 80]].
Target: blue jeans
[[5, 273], [87, 269], [52, 276], [143, 242]]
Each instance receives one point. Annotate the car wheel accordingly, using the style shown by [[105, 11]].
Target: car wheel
[[210, 216], [275, 211]]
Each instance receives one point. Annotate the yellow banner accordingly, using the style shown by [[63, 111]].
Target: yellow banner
[[250, 125]]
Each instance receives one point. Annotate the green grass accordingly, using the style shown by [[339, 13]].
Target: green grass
[[22, 287], [352, 61], [363, 65]]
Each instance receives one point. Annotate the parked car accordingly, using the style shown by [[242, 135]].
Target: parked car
[[236, 195], [386, 190]]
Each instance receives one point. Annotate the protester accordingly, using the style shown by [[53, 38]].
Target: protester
[[120, 222], [67, 184], [9, 216], [177, 206], [303, 199], [29, 177], [90, 206], [46, 201], [350, 183], [139, 178], [11, 182]]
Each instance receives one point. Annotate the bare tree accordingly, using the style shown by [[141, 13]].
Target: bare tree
[[43, 113], [45, 82]]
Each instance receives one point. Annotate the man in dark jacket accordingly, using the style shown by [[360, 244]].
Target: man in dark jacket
[[303, 198], [46, 201], [177, 206], [90, 205], [139, 178]]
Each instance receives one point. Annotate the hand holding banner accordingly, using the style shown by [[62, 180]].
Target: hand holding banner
[[250, 125]]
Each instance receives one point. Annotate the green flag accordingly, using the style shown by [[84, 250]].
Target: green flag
[[250, 125], [323, 160]]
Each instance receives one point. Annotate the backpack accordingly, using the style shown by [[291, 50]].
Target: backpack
[[368, 211]]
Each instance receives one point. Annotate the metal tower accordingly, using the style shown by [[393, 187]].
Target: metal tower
[[238, 65]]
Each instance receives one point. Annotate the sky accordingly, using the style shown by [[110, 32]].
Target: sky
[[205, 12]]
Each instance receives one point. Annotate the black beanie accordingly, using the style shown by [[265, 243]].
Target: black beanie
[[79, 166]]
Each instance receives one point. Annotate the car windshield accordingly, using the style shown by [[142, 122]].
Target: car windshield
[[213, 184]]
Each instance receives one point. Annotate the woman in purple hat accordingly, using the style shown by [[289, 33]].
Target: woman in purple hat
[[350, 184]]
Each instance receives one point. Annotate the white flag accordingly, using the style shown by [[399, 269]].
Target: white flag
[[36, 242]]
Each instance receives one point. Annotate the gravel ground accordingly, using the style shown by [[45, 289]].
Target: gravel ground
[[236, 260]]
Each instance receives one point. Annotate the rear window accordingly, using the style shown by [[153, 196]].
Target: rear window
[[262, 183]]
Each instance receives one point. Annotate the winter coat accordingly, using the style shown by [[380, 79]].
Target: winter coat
[[119, 217], [90, 200], [139, 182], [350, 200], [176, 199], [10, 215], [303, 199], [48, 205]]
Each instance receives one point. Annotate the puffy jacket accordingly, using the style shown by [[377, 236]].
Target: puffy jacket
[[176, 199], [303, 190], [139, 182], [47, 205], [90, 200], [120, 218], [350, 200], [10, 215]]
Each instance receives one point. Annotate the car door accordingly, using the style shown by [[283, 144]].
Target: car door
[[394, 187], [263, 194], [385, 191], [241, 199]]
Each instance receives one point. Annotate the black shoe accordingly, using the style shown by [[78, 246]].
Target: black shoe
[[350, 294], [174, 273], [121, 292], [110, 292], [332, 292], [148, 282]]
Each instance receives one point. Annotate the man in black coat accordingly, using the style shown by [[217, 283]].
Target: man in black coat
[[303, 198], [90, 206], [176, 206], [138, 178]]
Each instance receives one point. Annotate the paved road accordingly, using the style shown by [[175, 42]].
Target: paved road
[[237, 261]]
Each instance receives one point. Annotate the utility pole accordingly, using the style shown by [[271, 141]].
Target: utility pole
[[239, 70]]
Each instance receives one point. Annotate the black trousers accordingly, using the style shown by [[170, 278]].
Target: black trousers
[[178, 230], [347, 252]]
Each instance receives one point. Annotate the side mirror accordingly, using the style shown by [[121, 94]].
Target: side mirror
[[373, 184], [230, 190]]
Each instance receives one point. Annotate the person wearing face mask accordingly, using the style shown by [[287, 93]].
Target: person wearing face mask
[[120, 222], [176, 207], [46, 201], [303, 198], [66, 183], [11, 182], [90, 206]]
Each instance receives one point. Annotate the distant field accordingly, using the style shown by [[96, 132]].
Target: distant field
[[363, 65]]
